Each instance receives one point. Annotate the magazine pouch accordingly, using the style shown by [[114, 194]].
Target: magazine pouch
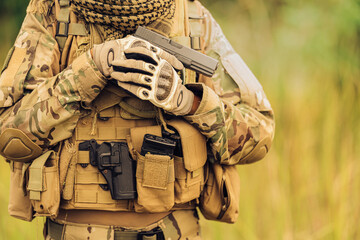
[[43, 186], [19, 202], [155, 183]]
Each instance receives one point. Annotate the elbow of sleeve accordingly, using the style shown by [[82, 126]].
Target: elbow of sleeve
[[258, 152], [261, 148], [15, 145]]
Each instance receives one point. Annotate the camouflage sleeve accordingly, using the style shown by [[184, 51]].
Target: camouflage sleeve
[[234, 113], [37, 99]]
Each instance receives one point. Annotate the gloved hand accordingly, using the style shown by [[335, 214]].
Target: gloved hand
[[148, 72], [105, 53]]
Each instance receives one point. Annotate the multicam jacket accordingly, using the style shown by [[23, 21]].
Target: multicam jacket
[[45, 101]]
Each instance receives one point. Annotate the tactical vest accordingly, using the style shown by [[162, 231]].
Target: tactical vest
[[162, 183]]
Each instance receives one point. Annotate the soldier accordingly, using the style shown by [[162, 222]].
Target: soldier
[[78, 94]]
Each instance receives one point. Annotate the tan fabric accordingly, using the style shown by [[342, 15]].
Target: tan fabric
[[8, 76], [154, 183], [83, 188], [181, 225], [125, 219], [193, 144], [19, 204], [17, 146], [220, 199]]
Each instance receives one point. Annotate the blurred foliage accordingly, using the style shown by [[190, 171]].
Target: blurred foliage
[[306, 55], [12, 13]]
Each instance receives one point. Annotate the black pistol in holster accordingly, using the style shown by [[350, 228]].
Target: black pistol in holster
[[116, 165]]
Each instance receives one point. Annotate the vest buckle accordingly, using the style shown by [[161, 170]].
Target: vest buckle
[[62, 29]]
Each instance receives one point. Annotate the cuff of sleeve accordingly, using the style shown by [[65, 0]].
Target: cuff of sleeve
[[209, 99], [89, 80]]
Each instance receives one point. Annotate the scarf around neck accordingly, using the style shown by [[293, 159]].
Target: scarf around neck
[[119, 18]]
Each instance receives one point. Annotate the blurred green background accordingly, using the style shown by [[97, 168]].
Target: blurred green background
[[306, 55]]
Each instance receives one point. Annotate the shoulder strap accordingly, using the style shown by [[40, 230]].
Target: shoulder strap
[[64, 28], [195, 23]]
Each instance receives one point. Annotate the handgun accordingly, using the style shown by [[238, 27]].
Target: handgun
[[191, 59], [116, 165]]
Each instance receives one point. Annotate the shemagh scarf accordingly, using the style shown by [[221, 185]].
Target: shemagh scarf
[[122, 17]]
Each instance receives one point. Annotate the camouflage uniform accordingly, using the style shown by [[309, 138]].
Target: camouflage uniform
[[45, 100]]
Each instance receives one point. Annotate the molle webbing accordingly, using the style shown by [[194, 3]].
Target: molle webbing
[[111, 125], [124, 16], [64, 28], [195, 23], [36, 181]]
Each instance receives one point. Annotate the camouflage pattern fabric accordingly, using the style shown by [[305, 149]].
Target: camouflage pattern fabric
[[124, 16], [39, 101], [234, 120], [46, 104]]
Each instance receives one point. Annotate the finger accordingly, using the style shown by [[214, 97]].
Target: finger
[[132, 77], [171, 59], [158, 51], [138, 91], [137, 42], [140, 53], [134, 66]]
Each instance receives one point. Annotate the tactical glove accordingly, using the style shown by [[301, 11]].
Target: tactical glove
[[148, 72], [104, 54]]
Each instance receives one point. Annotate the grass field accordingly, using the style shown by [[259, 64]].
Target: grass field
[[306, 55]]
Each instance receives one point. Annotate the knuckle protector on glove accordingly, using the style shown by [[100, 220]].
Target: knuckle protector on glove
[[158, 83], [157, 52], [15, 145]]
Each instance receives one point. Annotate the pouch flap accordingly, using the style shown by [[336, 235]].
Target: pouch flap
[[193, 144], [115, 89], [36, 175], [108, 113], [128, 116], [138, 107], [106, 99], [137, 135], [157, 171]]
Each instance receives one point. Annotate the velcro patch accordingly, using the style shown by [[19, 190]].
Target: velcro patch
[[156, 171]]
